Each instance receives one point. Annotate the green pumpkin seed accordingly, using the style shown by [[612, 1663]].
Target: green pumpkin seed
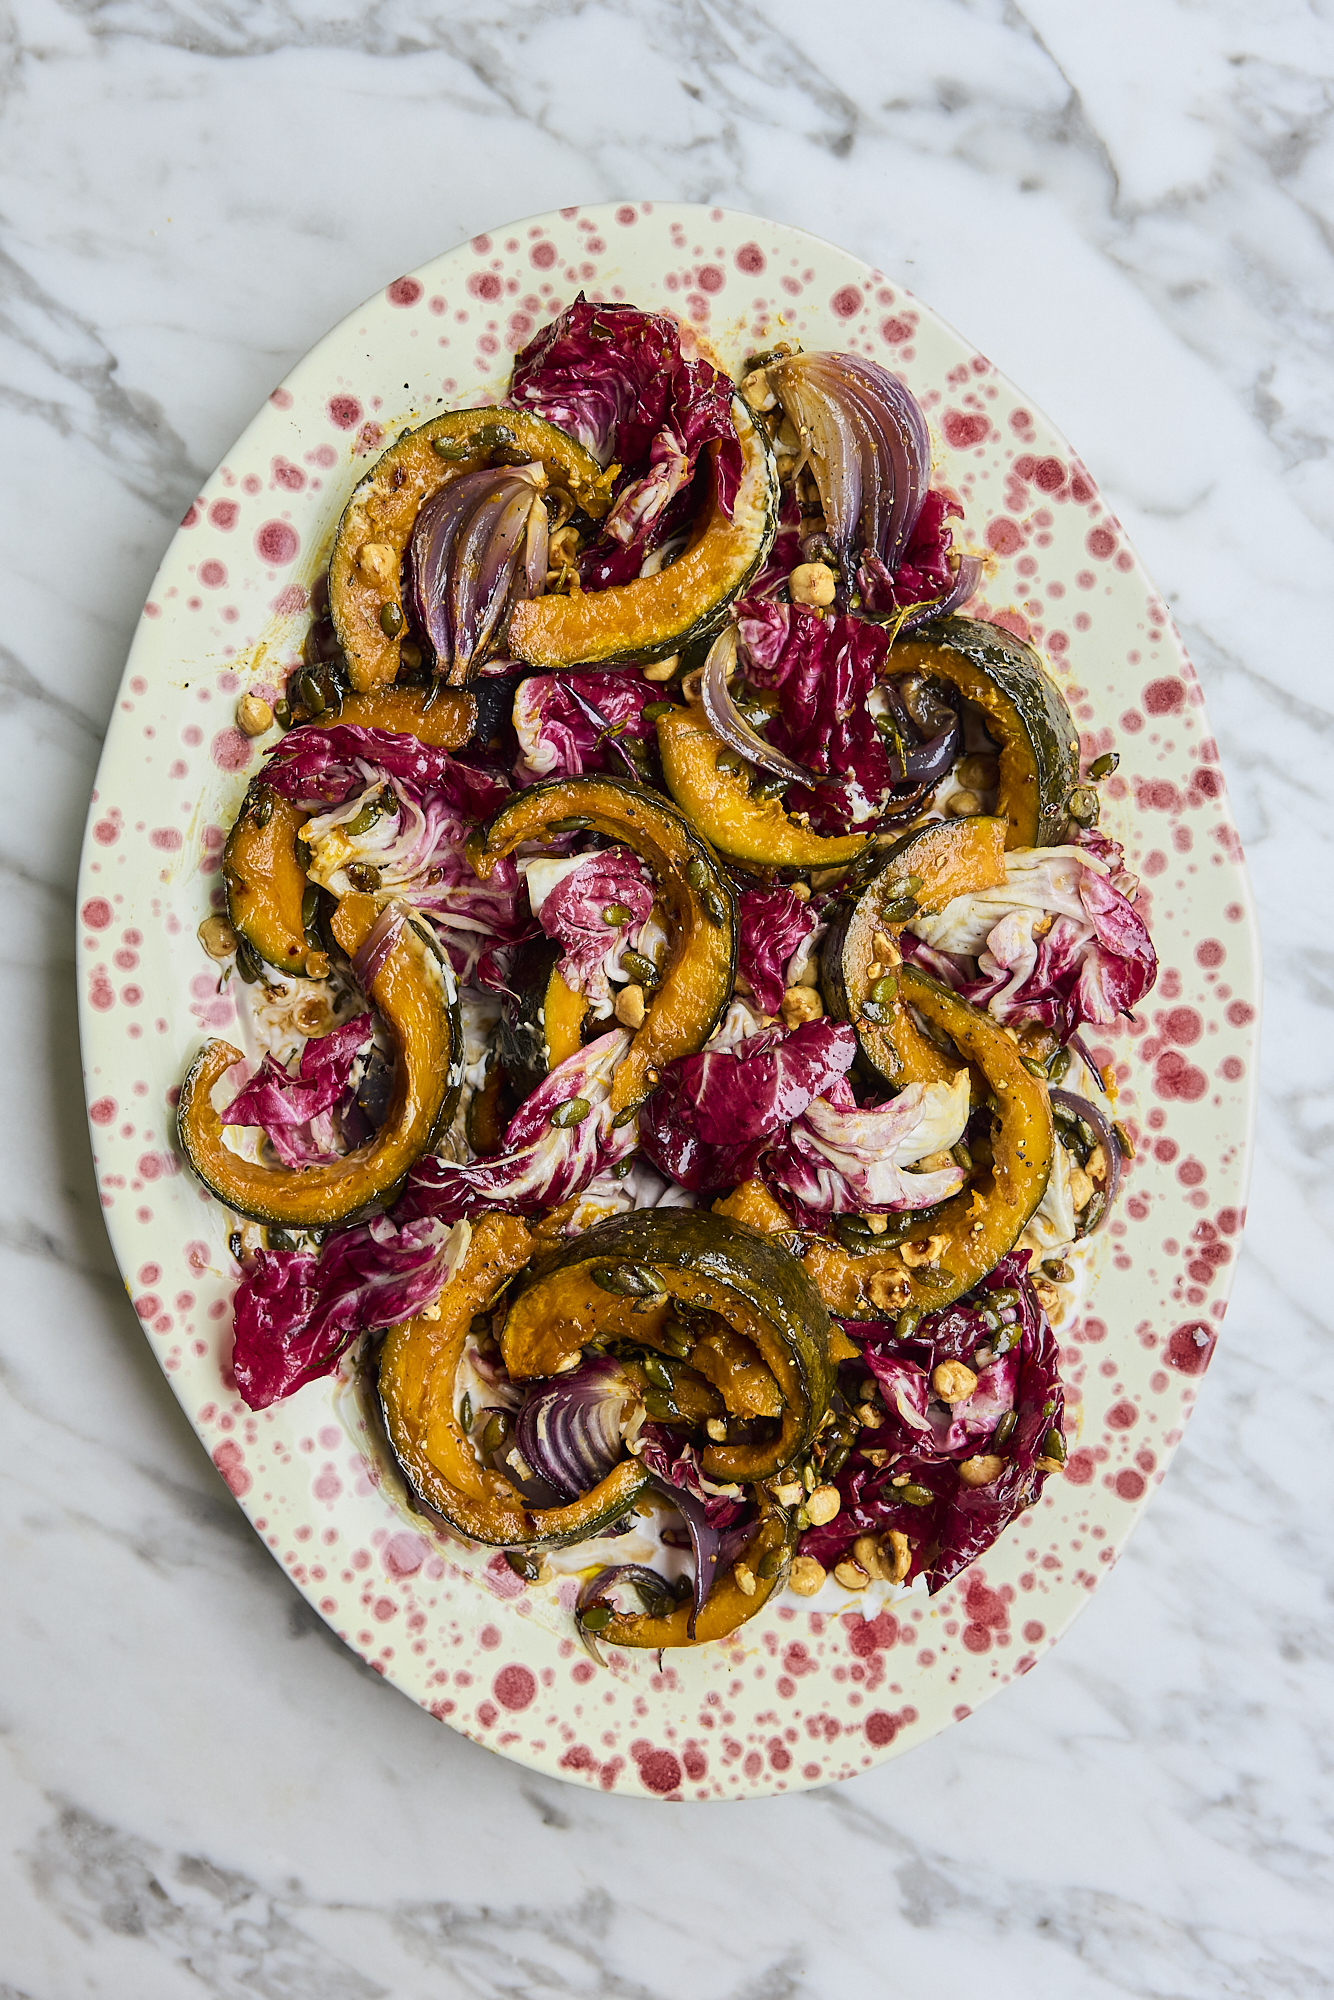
[[903, 888], [264, 809], [494, 1432], [653, 709], [697, 873], [1102, 767], [310, 907], [659, 1406], [1005, 1429], [281, 1239], [1057, 1270], [676, 1339], [311, 693], [628, 1281], [391, 619], [905, 1326], [624, 1117], [597, 1617], [617, 914], [619, 1171], [363, 875], [714, 907], [452, 449], [915, 1495], [769, 1565], [366, 818], [641, 969], [572, 1112], [1053, 1446], [465, 1412], [573, 824], [282, 714], [1058, 1066], [249, 964], [900, 912], [658, 1372], [524, 1563], [1084, 805], [1125, 1143], [885, 990], [873, 1011]]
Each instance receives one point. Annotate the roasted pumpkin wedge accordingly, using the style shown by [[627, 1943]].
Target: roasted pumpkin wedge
[[419, 1366], [265, 882], [685, 601], [716, 798], [620, 1279], [970, 1232], [859, 977], [700, 914], [1024, 711], [544, 1022], [365, 570], [417, 998], [766, 1558]]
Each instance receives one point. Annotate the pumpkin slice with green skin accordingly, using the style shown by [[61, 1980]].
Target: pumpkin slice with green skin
[[365, 570], [716, 798], [767, 1557], [944, 859], [264, 880], [684, 602], [626, 1272], [969, 1233], [700, 967], [1025, 714], [545, 1022], [417, 998], [419, 1366]]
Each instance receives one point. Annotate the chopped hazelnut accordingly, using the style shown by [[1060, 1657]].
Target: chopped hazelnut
[[953, 1381], [802, 891], [379, 562], [823, 1504], [812, 583], [806, 1576], [217, 937], [661, 670], [926, 1250], [629, 1008], [745, 1579], [963, 805], [756, 391], [982, 1470], [788, 1492], [717, 1429], [850, 1574], [889, 1291], [801, 1003]]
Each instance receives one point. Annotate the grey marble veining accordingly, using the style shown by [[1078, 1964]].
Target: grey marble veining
[[1131, 209]]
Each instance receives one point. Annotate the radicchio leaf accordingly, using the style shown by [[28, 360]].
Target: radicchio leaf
[[771, 923], [557, 736], [283, 1106]]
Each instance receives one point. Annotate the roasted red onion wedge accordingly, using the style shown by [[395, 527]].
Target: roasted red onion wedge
[[730, 726], [569, 1428], [866, 442], [1099, 1126], [477, 546]]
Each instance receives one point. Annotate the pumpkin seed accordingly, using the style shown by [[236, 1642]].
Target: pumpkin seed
[[363, 875], [714, 907], [653, 709], [249, 965], [1007, 1296], [885, 989], [905, 1326], [1124, 1142], [903, 888], [915, 1495], [676, 1339], [465, 1411], [597, 1617], [573, 824], [311, 693], [1102, 767], [624, 1117], [494, 1432], [1084, 805], [572, 1112], [769, 1565], [659, 1407], [1058, 1067], [452, 449], [873, 1011], [1053, 1446], [628, 1281], [617, 914], [264, 809], [310, 908], [619, 1171], [391, 619], [524, 1563], [697, 873], [1057, 1270], [641, 969], [366, 818], [280, 1239], [282, 714], [900, 912], [1005, 1429], [658, 1372]]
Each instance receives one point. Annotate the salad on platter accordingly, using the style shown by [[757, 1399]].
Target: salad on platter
[[663, 932]]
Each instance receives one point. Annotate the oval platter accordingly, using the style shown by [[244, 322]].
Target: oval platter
[[810, 1690]]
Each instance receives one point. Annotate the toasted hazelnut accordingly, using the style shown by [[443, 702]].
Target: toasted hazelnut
[[898, 1555], [717, 1429], [253, 715], [802, 891], [217, 937], [926, 1250], [788, 1492], [379, 563], [953, 1381], [806, 1576], [851, 1574], [756, 391], [823, 1504], [745, 1579], [982, 1470], [317, 965], [1081, 1186], [963, 805], [889, 1291], [877, 1224], [812, 583], [801, 1003], [629, 1008]]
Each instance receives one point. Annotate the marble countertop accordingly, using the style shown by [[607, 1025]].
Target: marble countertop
[[203, 1792]]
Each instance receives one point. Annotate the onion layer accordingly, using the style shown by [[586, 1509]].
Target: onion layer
[[478, 546], [729, 725], [569, 1428], [1099, 1125]]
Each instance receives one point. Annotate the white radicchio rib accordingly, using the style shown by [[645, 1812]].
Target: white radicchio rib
[[839, 1160]]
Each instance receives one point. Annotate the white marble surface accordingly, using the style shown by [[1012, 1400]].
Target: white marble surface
[[202, 1793]]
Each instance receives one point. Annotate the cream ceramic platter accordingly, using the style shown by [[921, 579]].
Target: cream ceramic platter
[[807, 1692]]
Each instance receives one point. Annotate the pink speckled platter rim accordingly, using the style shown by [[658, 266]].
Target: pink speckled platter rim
[[804, 1695]]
